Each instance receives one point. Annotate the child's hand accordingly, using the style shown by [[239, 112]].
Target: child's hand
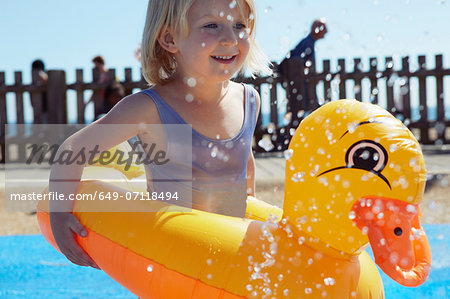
[[64, 225]]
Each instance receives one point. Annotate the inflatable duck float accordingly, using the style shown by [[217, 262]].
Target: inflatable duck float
[[354, 176]]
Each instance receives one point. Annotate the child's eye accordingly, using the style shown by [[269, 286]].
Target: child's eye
[[211, 26], [239, 26]]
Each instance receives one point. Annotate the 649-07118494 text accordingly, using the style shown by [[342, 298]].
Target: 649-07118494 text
[[164, 196]]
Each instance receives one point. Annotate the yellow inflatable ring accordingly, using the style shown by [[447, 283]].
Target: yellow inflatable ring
[[338, 197]]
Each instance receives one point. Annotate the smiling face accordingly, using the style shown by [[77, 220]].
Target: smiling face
[[343, 152], [217, 40]]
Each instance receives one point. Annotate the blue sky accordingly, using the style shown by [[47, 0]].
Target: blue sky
[[68, 34]]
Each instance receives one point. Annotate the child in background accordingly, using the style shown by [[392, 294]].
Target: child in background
[[190, 51]]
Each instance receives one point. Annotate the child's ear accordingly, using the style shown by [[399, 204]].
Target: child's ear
[[167, 41]]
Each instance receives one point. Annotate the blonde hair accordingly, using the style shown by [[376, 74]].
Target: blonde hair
[[158, 65]]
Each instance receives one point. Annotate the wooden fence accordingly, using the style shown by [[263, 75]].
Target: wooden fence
[[403, 90]]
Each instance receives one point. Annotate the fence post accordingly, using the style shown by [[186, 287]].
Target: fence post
[[310, 85], [128, 81], [37, 97], [327, 80], [57, 100], [404, 90], [373, 80], [389, 65], [423, 108], [440, 99], [273, 102], [293, 71], [3, 118], [357, 89], [80, 96], [341, 67], [20, 119]]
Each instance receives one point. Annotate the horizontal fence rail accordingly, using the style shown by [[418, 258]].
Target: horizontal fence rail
[[412, 92]]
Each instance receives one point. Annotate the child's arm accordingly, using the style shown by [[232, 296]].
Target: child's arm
[[64, 179]]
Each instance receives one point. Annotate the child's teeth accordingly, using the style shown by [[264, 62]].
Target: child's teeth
[[224, 57]]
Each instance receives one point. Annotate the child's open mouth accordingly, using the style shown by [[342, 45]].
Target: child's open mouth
[[224, 59]]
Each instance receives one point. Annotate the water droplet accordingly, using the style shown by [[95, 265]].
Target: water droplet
[[209, 276], [203, 45], [266, 143], [267, 291], [287, 118], [308, 290], [301, 240], [411, 208], [249, 287], [149, 268], [352, 127], [256, 268], [351, 215], [189, 98], [329, 281], [233, 4], [214, 152], [288, 153], [298, 177], [209, 262], [191, 82]]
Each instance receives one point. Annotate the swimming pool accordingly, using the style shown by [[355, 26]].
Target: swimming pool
[[31, 268]]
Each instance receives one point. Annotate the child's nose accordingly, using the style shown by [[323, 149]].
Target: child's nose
[[229, 37]]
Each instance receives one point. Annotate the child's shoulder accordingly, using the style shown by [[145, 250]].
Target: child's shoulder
[[248, 90], [137, 107]]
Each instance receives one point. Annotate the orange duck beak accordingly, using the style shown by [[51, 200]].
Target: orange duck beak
[[398, 242]]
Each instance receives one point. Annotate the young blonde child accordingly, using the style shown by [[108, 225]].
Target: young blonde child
[[190, 51]]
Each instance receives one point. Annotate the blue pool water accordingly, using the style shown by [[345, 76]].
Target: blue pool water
[[31, 268]]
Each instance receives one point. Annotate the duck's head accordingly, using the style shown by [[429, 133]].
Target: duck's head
[[354, 175]]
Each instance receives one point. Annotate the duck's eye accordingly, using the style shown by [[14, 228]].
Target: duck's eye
[[398, 231], [367, 155]]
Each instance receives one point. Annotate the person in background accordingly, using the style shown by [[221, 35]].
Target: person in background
[[99, 64], [305, 48], [100, 76], [114, 92], [40, 77]]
